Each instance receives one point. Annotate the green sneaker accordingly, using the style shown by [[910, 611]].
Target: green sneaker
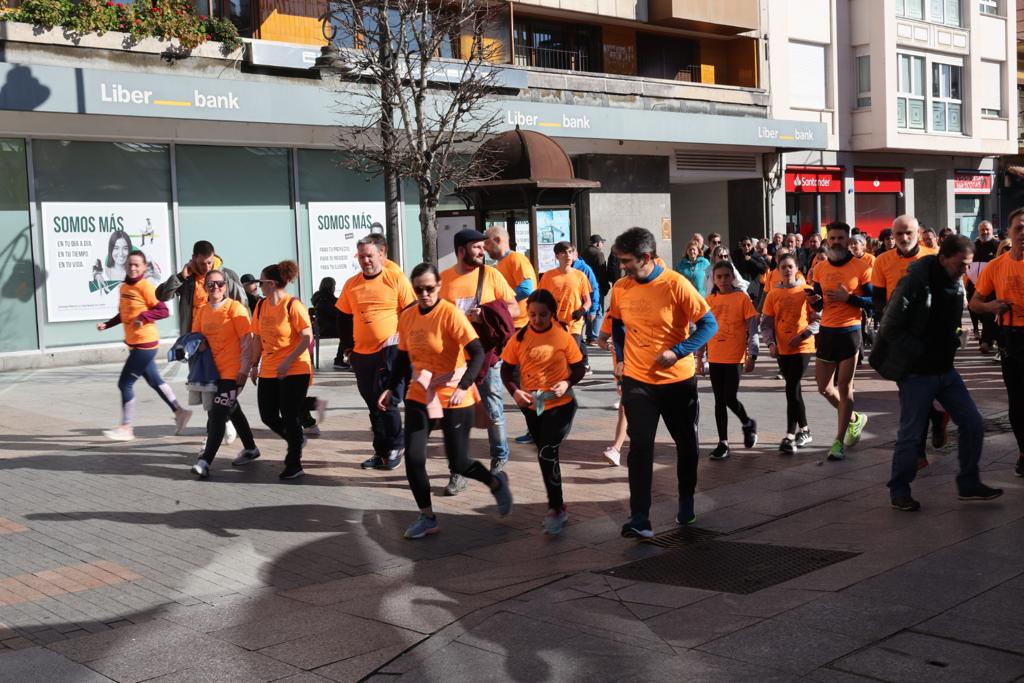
[[856, 428], [837, 452]]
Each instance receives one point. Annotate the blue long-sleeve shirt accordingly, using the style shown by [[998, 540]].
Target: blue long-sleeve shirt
[[595, 292]]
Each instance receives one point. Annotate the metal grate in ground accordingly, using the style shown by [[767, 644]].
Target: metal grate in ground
[[677, 538], [728, 566]]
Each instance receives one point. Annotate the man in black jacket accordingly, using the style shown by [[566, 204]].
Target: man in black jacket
[[984, 251], [593, 256], [918, 340], [750, 264]]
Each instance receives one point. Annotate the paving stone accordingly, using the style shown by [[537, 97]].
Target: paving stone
[[129, 641], [39, 665], [693, 625], [346, 639], [994, 634], [662, 595], [856, 617], [356, 667], [506, 633]]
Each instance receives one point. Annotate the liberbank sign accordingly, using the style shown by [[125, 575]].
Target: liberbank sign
[[57, 89]]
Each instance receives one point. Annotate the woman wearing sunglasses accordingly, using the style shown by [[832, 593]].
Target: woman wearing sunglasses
[[434, 338], [225, 324]]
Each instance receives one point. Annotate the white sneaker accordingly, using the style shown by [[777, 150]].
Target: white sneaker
[[615, 406], [181, 418], [321, 411], [612, 455], [230, 433], [246, 457], [120, 433], [313, 430], [201, 469]]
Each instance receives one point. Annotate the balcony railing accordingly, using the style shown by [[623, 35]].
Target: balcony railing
[[547, 58]]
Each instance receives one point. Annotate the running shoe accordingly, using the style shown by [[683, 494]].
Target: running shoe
[[201, 469], [120, 433], [503, 494], [787, 445], [181, 418], [525, 438], [230, 433], [394, 459], [312, 430], [686, 514], [374, 463], [320, 406], [750, 433], [940, 435], [856, 428], [342, 365], [498, 465], [803, 437], [589, 371], [246, 456], [423, 526], [980, 492], [614, 456], [637, 528], [456, 484], [904, 504], [837, 452], [721, 451], [555, 520], [985, 348], [1019, 469], [291, 472], [618, 402]]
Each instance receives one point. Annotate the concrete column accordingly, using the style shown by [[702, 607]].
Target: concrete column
[[947, 200], [908, 192]]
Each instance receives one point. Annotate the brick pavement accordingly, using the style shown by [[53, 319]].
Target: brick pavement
[[116, 564]]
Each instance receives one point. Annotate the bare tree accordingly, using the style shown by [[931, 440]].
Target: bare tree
[[417, 72]]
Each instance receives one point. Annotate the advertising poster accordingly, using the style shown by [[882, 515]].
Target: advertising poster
[[86, 247], [552, 227], [334, 229]]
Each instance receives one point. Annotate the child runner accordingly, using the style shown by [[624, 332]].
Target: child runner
[[549, 362], [138, 310]]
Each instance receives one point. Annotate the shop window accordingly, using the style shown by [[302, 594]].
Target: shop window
[[910, 9], [946, 98], [875, 212], [668, 57], [554, 45], [863, 81], [239, 12], [19, 275], [807, 80], [910, 93]]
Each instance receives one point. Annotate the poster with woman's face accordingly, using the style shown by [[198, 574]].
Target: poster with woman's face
[[86, 247]]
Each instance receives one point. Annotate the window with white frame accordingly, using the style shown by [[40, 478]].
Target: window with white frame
[[989, 88], [863, 80], [990, 7], [807, 76], [910, 100], [910, 9], [947, 98], [945, 12]]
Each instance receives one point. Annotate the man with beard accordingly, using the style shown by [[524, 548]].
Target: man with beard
[[459, 285], [929, 241], [842, 285]]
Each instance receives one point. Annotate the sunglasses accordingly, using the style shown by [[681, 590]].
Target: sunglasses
[[422, 289], [216, 284]]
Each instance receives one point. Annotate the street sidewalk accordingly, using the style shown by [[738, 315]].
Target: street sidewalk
[[116, 564]]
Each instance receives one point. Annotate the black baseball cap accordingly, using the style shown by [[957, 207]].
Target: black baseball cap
[[468, 236], [247, 278], [594, 239]]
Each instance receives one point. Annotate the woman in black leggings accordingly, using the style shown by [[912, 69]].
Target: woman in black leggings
[[789, 325], [549, 361], [433, 339]]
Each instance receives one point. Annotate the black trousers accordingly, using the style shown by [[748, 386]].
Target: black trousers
[[372, 372], [793, 366], [226, 407], [677, 404], [548, 430], [1013, 378], [986, 320], [583, 346], [455, 426], [280, 402], [725, 384]]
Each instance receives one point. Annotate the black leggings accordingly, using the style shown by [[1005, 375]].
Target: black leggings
[[280, 402], [583, 347], [725, 383], [226, 407], [548, 430], [455, 426], [793, 366], [1013, 378]]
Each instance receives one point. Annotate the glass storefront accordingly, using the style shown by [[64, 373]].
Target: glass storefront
[[17, 267]]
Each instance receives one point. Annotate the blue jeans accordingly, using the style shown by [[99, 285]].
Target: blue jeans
[[594, 325], [916, 395], [493, 394]]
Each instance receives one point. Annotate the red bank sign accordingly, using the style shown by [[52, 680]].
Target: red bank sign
[[814, 179], [972, 183]]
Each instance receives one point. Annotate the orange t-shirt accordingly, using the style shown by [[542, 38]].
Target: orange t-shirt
[[928, 251], [374, 304], [1004, 277], [657, 316], [890, 268], [853, 275], [224, 327], [732, 311], [775, 279], [789, 309], [136, 299], [436, 342], [279, 329], [393, 267], [516, 268], [568, 290], [461, 289], [199, 296], [867, 258], [543, 359]]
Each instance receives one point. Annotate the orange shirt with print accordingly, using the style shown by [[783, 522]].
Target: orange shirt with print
[[461, 289], [199, 297], [224, 327], [543, 359], [775, 279], [657, 316], [516, 268], [279, 328], [890, 268], [852, 275], [436, 342], [136, 299], [788, 308], [1004, 277], [374, 304], [732, 311], [568, 290]]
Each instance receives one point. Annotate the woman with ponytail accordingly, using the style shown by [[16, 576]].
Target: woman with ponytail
[[283, 333]]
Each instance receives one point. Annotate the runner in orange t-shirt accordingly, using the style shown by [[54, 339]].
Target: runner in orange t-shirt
[[571, 290], [731, 351], [138, 311], [514, 267]]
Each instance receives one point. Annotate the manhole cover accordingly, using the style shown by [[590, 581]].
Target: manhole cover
[[687, 535], [728, 566]]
